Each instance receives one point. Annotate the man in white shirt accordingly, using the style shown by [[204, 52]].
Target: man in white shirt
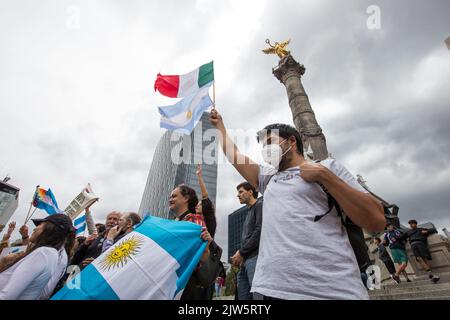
[[301, 258]]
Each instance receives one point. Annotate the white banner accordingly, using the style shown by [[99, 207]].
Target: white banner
[[85, 199]]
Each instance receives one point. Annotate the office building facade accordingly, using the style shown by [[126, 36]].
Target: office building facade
[[175, 162], [235, 223], [9, 201]]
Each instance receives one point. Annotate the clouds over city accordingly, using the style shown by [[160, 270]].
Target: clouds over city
[[77, 100]]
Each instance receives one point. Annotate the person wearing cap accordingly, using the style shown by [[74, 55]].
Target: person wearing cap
[[5, 241], [33, 274]]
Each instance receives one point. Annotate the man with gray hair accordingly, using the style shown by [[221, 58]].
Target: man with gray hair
[[127, 222], [92, 247], [245, 258]]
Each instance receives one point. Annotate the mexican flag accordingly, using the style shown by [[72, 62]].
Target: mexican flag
[[180, 86]]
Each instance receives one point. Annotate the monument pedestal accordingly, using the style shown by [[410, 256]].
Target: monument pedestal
[[439, 247], [289, 73]]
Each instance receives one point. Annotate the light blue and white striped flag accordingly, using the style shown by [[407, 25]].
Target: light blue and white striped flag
[[183, 116], [80, 224], [154, 262]]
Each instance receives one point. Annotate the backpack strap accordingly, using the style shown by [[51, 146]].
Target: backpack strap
[[331, 204]]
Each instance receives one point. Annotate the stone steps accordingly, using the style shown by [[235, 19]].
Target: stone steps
[[413, 283]]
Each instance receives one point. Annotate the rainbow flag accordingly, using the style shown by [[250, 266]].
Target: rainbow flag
[[44, 199], [193, 87]]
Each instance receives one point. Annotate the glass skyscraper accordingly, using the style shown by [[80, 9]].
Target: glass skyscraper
[[175, 162], [235, 224]]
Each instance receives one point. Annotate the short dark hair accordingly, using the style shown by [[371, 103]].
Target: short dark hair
[[191, 194], [284, 131], [378, 239], [134, 218], [412, 221], [247, 186]]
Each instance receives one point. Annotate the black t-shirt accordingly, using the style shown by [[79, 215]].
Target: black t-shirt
[[251, 230], [94, 250]]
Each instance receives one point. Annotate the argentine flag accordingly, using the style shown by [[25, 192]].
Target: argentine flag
[[185, 114], [80, 224], [154, 262]]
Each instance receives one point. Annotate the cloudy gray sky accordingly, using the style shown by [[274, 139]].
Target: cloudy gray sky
[[78, 106]]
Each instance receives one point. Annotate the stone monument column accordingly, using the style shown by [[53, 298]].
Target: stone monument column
[[289, 73]]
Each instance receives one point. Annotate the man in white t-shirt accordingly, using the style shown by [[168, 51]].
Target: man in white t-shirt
[[301, 258]]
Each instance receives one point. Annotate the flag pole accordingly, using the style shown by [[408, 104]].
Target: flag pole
[[29, 218], [214, 94], [31, 204]]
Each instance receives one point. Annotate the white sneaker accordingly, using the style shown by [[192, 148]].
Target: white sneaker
[[435, 279]]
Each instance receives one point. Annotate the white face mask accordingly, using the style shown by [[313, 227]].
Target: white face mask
[[272, 153]]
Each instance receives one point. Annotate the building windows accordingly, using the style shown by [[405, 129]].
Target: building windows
[[235, 224]]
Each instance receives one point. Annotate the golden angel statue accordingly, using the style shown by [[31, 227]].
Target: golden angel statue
[[278, 48]]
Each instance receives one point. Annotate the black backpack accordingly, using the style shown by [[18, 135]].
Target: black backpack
[[354, 232]]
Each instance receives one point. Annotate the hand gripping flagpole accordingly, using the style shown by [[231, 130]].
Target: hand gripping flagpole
[[31, 215], [214, 94]]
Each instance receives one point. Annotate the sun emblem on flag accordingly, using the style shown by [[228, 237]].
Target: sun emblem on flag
[[120, 254], [189, 114]]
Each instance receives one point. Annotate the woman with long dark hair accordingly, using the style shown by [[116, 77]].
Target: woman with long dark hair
[[183, 201], [33, 274]]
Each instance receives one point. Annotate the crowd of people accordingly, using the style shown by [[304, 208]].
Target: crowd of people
[[285, 252]]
